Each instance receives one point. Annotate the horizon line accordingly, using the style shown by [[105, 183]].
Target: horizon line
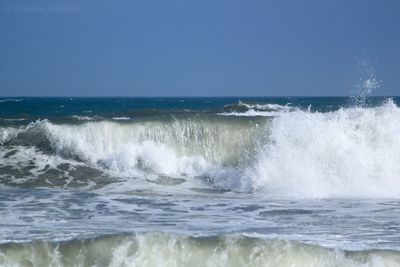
[[185, 96]]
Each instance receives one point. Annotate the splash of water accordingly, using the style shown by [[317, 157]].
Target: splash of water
[[348, 153], [365, 82]]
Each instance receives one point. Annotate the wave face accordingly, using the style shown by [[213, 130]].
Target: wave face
[[213, 150], [180, 148], [154, 249], [351, 153]]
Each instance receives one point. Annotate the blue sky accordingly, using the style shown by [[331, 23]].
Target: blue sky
[[196, 48]]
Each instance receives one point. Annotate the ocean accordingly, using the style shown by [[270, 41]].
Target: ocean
[[285, 181]]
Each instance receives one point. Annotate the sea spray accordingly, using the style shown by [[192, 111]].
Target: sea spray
[[352, 152], [364, 82]]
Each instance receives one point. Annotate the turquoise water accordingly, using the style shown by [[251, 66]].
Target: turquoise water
[[199, 181]]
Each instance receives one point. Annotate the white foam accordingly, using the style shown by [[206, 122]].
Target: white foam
[[8, 133], [351, 152], [148, 150], [265, 110], [121, 118], [10, 100], [162, 249], [28, 163], [251, 113], [268, 107], [85, 118]]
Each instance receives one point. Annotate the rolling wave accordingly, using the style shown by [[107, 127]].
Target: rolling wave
[[240, 105], [351, 153], [242, 109], [156, 249], [150, 150]]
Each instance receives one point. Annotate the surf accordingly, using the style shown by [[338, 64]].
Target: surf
[[165, 249], [351, 152]]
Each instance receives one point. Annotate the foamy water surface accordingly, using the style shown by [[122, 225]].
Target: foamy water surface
[[220, 182]]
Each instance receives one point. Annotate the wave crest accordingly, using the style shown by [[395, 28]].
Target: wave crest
[[352, 152], [348, 153], [157, 249], [251, 110]]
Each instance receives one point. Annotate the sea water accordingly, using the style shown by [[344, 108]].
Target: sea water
[[200, 181]]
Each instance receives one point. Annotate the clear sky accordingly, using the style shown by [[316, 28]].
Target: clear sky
[[196, 47]]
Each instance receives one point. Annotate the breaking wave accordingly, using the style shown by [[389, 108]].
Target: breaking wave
[[8, 133], [212, 151], [351, 153], [157, 249], [260, 107], [250, 110]]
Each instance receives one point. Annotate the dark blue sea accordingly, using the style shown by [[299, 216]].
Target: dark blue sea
[[285, 181]]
